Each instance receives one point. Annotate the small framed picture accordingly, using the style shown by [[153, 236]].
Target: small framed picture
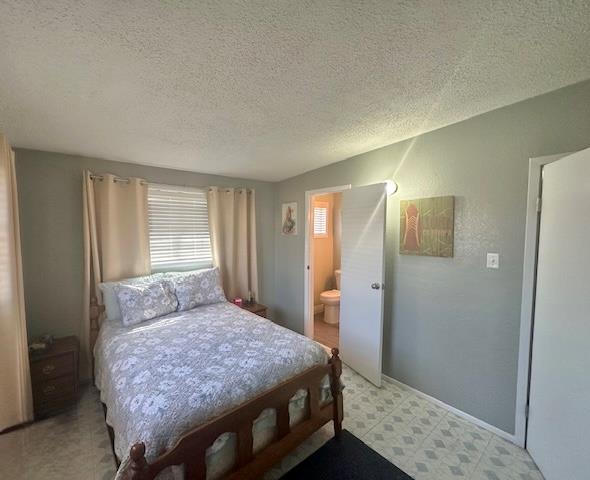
[[289, 219]]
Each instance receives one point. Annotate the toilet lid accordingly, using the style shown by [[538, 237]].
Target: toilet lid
[[330, 294]]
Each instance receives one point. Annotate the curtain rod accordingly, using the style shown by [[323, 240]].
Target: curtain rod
[[230, 189], [115, 179], [94, 176]]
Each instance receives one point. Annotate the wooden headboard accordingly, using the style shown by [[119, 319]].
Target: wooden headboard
[[94, 313]]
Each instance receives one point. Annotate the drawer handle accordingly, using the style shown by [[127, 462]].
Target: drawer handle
[[49, 389], [47, 369]]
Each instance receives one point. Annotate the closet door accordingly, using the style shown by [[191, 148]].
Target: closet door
[[559, 406], [361, 293]]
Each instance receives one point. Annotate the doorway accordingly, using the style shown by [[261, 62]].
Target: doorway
[[323, 214], [558, 422], [553, 387], [326, 234], [357, 307]]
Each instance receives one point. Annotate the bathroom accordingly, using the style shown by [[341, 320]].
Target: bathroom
[[327, 229]]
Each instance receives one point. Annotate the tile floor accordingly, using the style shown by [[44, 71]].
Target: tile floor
[[426, 441]]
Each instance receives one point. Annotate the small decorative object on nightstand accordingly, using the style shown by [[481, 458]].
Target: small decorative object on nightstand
[[256, 308], [54, 376]]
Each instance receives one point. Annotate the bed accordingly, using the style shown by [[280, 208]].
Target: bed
[[211, 392]]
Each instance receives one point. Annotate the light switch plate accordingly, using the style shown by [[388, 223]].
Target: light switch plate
[[493, 260]]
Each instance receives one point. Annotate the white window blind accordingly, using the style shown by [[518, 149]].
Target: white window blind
[[320, 220], [179, 228]]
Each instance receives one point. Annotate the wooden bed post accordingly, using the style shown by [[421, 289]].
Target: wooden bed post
[[94, 313], [138, 468], [336, 388]]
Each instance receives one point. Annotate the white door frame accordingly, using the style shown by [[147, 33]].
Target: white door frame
[[528, 292], [307, 263]]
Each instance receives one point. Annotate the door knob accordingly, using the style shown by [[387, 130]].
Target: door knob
[[375, 286]]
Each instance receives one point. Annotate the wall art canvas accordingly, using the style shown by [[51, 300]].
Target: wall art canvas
[[427, 226], [289, 218]]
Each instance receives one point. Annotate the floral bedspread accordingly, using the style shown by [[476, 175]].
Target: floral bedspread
[[167, 375]]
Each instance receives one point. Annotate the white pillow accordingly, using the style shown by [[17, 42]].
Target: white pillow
[[109, 296], [197, 287], [139, 303]]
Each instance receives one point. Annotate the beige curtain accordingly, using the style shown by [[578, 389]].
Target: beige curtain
[[16, 404], [116, 241], [232, 223]]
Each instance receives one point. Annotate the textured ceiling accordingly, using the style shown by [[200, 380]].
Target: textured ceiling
[[270, 89]]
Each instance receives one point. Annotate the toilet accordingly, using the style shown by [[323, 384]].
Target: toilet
[[331, 301]]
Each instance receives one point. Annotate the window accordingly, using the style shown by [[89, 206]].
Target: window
[[320, 219], [179, 228]]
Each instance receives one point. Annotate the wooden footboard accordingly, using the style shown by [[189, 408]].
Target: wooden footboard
[[191, 447]]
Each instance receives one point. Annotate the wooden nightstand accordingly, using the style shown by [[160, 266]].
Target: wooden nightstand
[[54, 376], [256, 308]]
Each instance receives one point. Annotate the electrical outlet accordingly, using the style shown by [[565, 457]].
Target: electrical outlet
[[493, 260]]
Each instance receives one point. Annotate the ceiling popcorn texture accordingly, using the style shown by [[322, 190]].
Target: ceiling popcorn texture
[[271, 89]]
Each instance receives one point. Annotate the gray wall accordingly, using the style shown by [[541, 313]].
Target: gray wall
[[50, 204], [451, 325]]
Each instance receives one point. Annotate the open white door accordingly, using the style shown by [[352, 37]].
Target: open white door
[[559, 405], [361, 297]]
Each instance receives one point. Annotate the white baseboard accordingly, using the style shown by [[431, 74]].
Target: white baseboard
[[318, 308], [495, 430]]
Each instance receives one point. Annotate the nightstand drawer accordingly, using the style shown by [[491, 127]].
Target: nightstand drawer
[[53, 367], [54, 405], [55, 389], [54, 375]]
